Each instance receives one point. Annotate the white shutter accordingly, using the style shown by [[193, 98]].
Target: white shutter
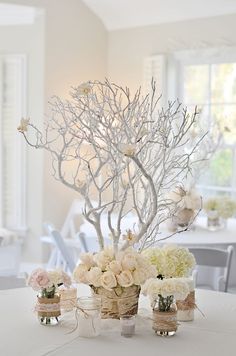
[[12, 153], [155, 67]]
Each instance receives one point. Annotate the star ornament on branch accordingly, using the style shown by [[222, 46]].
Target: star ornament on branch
[[121, 154]]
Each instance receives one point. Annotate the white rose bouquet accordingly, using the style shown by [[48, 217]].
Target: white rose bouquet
[[115, 278], [171, 261], [164, 291], [104, 269]]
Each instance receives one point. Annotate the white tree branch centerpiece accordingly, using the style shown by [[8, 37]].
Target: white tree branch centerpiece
[[122, 155]]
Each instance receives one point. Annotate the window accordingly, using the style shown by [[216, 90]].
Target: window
[[212, 87], [12, 150]]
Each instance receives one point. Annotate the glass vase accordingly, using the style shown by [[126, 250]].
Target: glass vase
[[89, 316], [213, 221], [165, 316], [48, 309]]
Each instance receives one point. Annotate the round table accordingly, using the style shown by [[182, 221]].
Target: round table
[[21, 334]]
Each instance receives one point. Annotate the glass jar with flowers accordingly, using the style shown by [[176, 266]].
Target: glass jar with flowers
[[116, 278], [163, 294], [218, 210], [46, 283], [172, 261]]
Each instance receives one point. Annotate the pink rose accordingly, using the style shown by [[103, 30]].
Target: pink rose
[[39, 279]]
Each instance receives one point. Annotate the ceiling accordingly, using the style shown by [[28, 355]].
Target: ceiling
[[119, 14]]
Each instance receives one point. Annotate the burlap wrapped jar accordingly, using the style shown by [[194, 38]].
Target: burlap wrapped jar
[[165, 323], [186, 307], [119, 301], [48, 310]]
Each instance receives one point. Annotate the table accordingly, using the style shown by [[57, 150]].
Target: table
[[22, 335]]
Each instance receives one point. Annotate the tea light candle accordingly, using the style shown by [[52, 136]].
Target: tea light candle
[[127, 323]]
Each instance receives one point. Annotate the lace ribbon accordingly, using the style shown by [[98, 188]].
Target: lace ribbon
[[40, 307]]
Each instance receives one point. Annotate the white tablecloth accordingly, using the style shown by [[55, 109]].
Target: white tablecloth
[[22, 335]]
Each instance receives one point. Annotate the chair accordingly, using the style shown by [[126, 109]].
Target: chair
[[217, 260], [12, 282], [65, 252]]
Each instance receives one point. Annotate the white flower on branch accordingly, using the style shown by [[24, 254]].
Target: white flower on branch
[[130, 237], [84, 89], [128, 149], [23, 125]]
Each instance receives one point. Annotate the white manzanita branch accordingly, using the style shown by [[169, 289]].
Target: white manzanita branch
[[120, 153]]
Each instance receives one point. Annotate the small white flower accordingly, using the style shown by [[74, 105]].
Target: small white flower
[[128, 149], [84, 89], [23, 125]]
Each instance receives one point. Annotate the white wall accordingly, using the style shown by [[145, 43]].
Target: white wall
[[128, 48], [75, 51]]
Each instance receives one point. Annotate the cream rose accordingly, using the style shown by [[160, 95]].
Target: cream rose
[[129, 261], [108, 280], [94, 276], [87, 259], [125, 279], [80, 273], [115, 267], [139, 276], [104, 257]]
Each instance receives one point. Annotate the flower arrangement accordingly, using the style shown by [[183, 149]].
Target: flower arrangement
[[104, 269], [223, 206], [188, 203], [114, 274], [163, 293], [166, 290], [123, 152], [171, 261], [47, 282]]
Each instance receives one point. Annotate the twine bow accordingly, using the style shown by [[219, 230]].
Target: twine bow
[[87, 316]]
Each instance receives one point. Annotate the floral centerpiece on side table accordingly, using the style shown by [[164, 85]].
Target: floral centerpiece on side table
[[217, 209], [163, 293], [172, 261], [46, 283], [189, 203], [121, 153]]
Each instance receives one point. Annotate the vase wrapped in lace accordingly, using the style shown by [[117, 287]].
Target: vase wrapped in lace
[[46, 283], [186, 307], [119, 301], [48, 309]]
